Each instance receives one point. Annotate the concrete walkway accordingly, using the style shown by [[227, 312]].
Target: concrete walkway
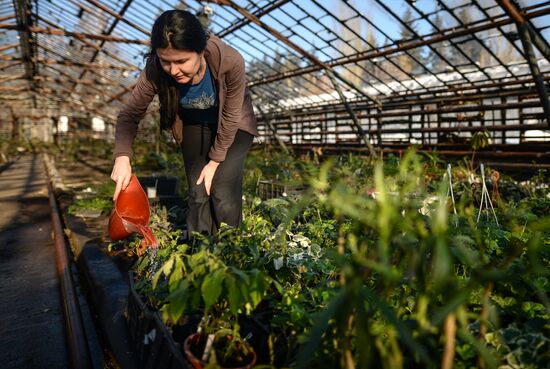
[[32, 331]]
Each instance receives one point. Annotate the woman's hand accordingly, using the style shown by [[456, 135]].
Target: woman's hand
[[207, 175], [121, 174]]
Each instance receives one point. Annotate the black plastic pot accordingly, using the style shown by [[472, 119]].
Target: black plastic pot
[[196, 342], [150, 338]]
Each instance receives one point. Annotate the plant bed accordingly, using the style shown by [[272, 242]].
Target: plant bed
[[407, 278]]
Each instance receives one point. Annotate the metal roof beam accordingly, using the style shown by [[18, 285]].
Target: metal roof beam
[[109, 31], [285, 40], [329, 71], [243, 22], [385, 50], [78, 35], [118, 16], [4, 67]]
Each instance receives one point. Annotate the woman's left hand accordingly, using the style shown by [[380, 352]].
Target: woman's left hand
[[207, 175]]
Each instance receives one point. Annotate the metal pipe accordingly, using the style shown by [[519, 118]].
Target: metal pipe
[[76, 336]]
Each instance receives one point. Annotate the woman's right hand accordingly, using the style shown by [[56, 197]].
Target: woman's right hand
[[121, 174]]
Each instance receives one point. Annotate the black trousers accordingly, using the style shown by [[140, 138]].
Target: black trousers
[[206, 213]]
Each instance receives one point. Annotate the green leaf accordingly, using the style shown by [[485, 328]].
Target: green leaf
[[257, 287], [401, 328], [488, 356], [234, 294], [458, 299], [177, 301], [337, 304], [166, 269], [177, 274], [211, 287]]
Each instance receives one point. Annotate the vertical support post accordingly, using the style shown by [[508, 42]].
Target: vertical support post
[[157, 138], [273, 130], [22, 12], [535, 71], [503, 121], [351, 113], [15, 126], [410, 123], [513, 10]]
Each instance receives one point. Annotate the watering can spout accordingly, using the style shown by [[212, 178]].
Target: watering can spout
[[131, 215]]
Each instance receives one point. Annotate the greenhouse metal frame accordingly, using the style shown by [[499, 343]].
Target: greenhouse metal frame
[[323, 74]]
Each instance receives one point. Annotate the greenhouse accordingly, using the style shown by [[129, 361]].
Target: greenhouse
[[275, 184]]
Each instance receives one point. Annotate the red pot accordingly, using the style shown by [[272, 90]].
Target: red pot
[[196, 363]]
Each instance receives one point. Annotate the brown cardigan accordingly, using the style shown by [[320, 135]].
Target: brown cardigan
[[236, 112]]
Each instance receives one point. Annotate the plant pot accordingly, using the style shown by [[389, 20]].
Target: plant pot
[[195, 343], [151, 340]]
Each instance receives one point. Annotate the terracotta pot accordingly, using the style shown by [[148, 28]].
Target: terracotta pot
[[196, 363], [131, 214]]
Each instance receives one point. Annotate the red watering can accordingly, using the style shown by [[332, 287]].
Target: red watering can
[[131, 214]]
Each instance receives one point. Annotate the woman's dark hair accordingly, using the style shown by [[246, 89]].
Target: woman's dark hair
[[179, 30]]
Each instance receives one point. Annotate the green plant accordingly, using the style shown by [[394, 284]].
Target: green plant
[[360, 278], [96, 203]]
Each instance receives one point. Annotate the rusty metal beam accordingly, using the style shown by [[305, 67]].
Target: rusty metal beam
[[10, 46], [118, 16], [13, 77], [6, 17], [243, 22], [4, 67], [94, 46], [330, 71], [91, 84], [397, 111], [121, 93], [92, 70], [68, 63], [472, 129], [13, 88], [78, 35]]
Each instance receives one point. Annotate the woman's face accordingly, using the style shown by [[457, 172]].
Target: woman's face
[[182, 65]]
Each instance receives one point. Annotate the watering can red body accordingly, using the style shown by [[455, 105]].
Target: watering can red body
[[131, 214]]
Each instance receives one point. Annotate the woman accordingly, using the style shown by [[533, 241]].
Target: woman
[[203, 98]]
